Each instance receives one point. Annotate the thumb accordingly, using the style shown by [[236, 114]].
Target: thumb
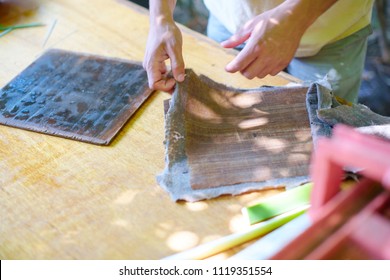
[[237, 39], [177, 65]]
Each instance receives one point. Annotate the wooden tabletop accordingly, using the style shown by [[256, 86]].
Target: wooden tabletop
[[63, 199]]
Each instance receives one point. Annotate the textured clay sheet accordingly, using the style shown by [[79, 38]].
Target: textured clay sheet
[[222, 140], [244, 136], [73, 95]]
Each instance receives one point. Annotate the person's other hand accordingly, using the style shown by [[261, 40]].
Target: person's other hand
[[272, 40], [164, 42]]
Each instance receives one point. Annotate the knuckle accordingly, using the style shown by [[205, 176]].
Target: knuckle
[[178, 65], [274, 72], [248, 75], [261, 75], [152, 84], [256, 49]]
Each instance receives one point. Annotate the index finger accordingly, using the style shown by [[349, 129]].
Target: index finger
[[242, 60]]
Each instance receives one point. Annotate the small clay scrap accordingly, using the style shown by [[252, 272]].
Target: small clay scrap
[[326, 111], [78, 96], [223, 140]]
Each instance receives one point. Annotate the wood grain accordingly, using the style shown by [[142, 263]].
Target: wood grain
[[62, 199]]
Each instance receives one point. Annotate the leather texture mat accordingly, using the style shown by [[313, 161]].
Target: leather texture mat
[[73, 95]]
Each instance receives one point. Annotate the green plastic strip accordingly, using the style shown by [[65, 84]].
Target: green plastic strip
[[278, 204], [18, 26], [7, 29], [227, 242]]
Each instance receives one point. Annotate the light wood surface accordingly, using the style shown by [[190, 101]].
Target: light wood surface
[[63, 199]]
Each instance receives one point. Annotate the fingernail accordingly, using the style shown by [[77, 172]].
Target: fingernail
[[228, 67], [181, 77]]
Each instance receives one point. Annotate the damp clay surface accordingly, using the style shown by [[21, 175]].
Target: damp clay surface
[[222, 140]]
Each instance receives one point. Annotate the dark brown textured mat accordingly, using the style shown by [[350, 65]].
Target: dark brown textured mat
[[73, 95], [238, 136]]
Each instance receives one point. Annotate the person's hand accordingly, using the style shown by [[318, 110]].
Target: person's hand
[[272, 40], [164, 42]]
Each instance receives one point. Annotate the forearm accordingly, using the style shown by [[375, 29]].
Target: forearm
[[161, 10], [305, 12], [164, 42]]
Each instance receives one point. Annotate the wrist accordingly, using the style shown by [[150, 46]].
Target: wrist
[[161, 11]]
